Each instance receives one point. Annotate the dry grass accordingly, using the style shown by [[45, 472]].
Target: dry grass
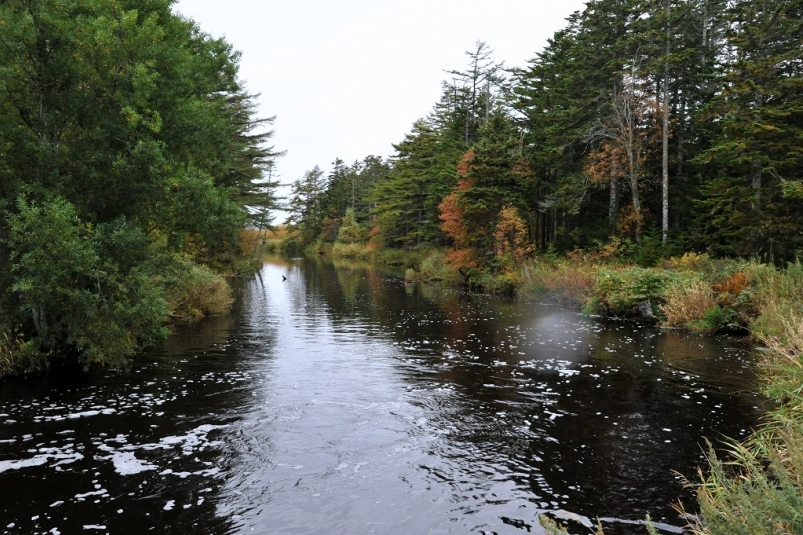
[[569, 283], [198, 292], [758, 488], [687, 302]]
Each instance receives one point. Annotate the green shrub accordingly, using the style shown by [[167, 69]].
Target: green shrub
[[18, 357], [88, 291], [399, 257], [351, 232], [714, 319], [622, 290], [320, 248], [504, 283], [433, 268], [357, 251]]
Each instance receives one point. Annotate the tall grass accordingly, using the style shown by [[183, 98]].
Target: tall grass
[[687, 302], [758, 487], [196, 291], [565, 282]]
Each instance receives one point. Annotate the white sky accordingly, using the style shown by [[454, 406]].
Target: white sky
[[348, 78]]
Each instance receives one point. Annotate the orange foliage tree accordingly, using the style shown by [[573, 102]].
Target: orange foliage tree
[[511, 238], [451, 217]]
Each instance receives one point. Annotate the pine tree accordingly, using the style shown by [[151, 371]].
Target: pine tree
[[759, 142], [304, 206], [495, 176]]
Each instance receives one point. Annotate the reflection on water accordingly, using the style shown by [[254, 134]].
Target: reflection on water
[[343, 400]]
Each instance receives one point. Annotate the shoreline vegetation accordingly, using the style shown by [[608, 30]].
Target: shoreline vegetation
[[758, 486], [187, 292]]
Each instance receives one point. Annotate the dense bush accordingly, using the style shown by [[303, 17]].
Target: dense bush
[[623, 291], [84, 288], [128, 151], [195, 291]]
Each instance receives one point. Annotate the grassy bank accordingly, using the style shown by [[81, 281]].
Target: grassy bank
[[758, 487]]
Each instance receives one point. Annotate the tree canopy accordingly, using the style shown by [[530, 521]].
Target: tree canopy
[[128, 148]]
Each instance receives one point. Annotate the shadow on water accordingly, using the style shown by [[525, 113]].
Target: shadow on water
[[127, 452], [343, 400]]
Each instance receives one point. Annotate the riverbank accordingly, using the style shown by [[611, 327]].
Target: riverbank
[[759, 487], [180, 291], [693, 291]]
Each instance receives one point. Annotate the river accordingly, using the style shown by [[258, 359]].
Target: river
[[343, 400]]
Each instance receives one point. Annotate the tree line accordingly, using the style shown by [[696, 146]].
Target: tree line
[[660, 126], [129, 150]]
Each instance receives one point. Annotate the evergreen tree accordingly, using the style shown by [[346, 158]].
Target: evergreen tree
[[304, 207], [125, 126], [759, 141], [494, 176]]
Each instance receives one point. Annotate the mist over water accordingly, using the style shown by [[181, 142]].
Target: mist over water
[[344, 400]]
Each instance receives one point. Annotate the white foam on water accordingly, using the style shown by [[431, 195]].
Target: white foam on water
[[86, 414], [38, 460], [99, 492], [126, 464]]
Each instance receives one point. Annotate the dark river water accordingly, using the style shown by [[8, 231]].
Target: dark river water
[[345, 401]]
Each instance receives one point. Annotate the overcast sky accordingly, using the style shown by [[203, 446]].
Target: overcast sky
[[347, 78]]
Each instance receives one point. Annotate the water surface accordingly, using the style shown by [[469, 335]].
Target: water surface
[[343, 400]]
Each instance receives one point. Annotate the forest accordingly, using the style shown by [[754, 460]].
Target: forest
[[662, 126], [129, 151]]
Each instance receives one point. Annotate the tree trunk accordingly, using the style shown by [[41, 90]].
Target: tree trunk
[[665, 139], [613, 201]]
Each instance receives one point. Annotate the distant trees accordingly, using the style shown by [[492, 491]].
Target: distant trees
[[304, 207], [674, 124]]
